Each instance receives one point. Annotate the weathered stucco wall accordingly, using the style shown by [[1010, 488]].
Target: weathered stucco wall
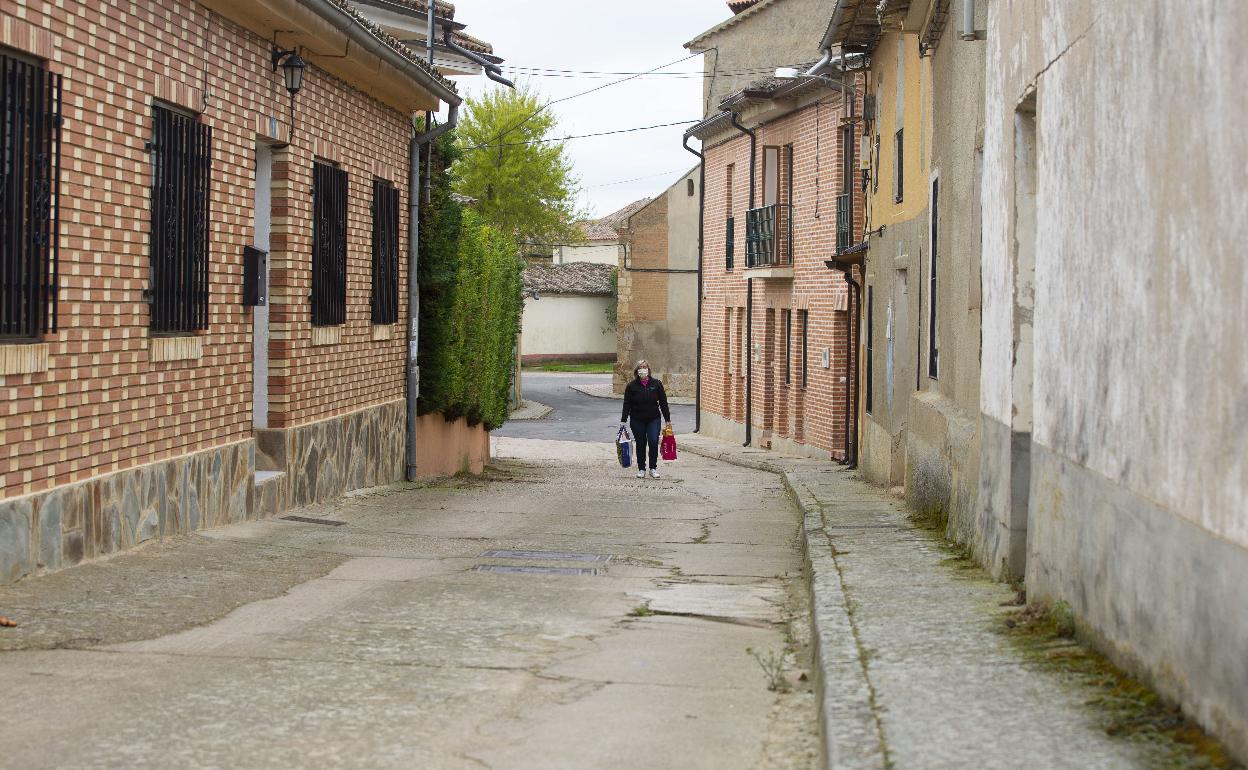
[[566, 325], [598, 252], [942, 449], [1139, 444], [777, 33]]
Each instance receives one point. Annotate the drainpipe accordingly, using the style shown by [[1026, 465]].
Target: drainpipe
[[968, 20], [492, 70], [697, 382], [749, 296], [413, 284]]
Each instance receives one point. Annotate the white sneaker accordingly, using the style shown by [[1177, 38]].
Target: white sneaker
[[641, 473], [654, 473]]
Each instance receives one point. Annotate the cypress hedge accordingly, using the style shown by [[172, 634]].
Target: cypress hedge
[[470, 306]]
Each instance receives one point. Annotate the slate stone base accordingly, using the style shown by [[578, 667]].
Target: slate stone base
[[89, 519], [326, 459]]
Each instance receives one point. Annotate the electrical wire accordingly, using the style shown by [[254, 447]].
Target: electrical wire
[[634, 179], [577, 136], [547, 105]]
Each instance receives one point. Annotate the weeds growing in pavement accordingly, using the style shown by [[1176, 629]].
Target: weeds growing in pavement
[[772, 664]]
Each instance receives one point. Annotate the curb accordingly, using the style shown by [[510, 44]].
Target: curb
[[531, 410], [841, 686], [584, 390]]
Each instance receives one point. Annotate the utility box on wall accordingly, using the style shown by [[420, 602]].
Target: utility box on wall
[[255, 276]]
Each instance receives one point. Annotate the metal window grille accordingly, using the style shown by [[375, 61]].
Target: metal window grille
[[329, 245], [30, 153], [181, 150], [730, 240], [385, 252]]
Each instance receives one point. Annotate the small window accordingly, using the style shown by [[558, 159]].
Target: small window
[[30, 158], [181, 150], [385, 252], [689, 187], [899, 166], [329, 245]]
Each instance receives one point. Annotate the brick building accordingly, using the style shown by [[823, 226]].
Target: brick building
[[658, 288], [141, 395], [775, 347]]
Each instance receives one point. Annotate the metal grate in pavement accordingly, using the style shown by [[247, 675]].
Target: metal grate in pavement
[[526, 570], [546, 555]]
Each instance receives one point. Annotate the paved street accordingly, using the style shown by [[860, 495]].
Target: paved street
[[576, 416], [397, 639]]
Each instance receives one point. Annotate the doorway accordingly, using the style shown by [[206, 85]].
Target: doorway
[[263, 219]]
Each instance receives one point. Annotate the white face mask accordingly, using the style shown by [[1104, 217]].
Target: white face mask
[[643, 373]]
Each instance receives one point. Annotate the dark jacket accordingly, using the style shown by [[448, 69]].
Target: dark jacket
[[644, 402]]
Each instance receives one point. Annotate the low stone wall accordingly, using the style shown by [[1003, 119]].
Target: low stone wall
[[86, 520], [326, 459], [446, 448]]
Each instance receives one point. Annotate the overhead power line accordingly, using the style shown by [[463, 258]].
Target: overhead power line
[[547, 105], [492, 146]]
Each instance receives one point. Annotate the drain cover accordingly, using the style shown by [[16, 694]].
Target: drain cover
[[309, 520], [547, 555], [535, 570]]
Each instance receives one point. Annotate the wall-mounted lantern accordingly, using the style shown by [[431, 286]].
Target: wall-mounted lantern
[[292, 65]]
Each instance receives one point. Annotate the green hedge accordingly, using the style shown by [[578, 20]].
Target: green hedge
[[470, 305]]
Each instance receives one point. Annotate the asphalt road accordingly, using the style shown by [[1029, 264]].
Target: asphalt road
[[576, 416]]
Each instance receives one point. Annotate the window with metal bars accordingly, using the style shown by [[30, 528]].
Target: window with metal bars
[[788, 346], [730, 240], [329, 244], [385, 252], [181, 150], [30, 153]]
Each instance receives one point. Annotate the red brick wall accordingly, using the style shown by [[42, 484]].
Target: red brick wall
[[814, 414], [103, 404]]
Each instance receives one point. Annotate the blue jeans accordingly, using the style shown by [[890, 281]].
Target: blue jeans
[[647, 436]]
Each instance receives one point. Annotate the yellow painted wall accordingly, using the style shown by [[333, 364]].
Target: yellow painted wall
[[896, 61]]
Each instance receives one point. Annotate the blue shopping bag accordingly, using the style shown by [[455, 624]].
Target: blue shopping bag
[[624, 447]]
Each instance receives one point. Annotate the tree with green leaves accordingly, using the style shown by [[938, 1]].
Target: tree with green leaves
[[520, 177]]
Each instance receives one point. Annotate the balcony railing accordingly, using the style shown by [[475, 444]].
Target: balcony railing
[[844, 223], [768, 236]]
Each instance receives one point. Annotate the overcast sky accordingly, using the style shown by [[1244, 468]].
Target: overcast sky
[[605, 36]]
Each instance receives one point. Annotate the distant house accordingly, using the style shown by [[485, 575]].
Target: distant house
[[658, 288], [566, 313], [602, 241]]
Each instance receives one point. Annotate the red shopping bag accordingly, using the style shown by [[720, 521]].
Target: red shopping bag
[[667, 446]]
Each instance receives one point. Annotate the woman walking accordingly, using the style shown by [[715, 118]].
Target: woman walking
[[644, 401]]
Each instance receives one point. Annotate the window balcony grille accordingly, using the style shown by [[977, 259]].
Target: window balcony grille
[[768, 236], [844, 223]]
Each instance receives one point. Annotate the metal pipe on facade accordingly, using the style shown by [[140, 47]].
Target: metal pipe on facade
[[697, 377], [492, 70], [749, 295], [968, 20]]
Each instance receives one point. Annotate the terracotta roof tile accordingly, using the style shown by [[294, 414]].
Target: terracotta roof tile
[[604, 229], [584, 278]]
